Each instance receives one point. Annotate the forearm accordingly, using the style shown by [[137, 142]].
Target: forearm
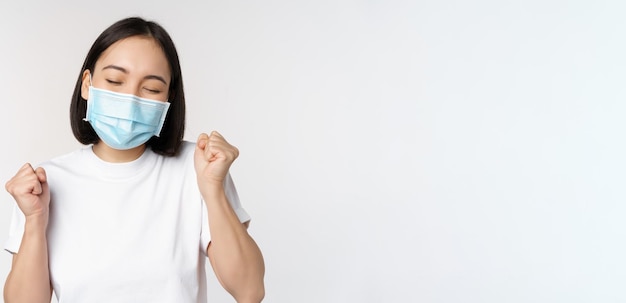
[[29, 279], [235, 256]]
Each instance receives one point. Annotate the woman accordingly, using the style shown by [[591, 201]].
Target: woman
[[132, 216]]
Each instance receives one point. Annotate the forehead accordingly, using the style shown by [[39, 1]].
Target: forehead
[[139, 55]]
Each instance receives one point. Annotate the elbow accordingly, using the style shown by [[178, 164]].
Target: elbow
[[258, 295], [14, 292], [250, 291], [252, 296], [248, 288]]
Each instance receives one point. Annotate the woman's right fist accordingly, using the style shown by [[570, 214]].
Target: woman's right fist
[[29, 188]]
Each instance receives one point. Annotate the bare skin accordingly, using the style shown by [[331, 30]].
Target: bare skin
[[29, 279], [235, 257], [137, 66]]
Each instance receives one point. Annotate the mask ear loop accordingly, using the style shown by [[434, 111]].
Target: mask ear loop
[[86, 119]]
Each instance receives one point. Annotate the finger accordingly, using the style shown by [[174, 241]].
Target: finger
[[37, 188], [32, 179], [216, 134], [24, 185], [25, 170], [202, 141], [223, 150], [217, 140], [211, 151], [201, 148], [40, 178], [41, 174], [44, 187], [26, 167], [22, 181]]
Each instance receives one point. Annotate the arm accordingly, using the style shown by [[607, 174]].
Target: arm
[[29, 278], [234, 256]]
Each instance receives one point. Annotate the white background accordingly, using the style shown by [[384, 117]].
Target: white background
[[391, 151]]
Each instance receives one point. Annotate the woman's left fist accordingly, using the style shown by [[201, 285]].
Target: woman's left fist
[[213, 157]]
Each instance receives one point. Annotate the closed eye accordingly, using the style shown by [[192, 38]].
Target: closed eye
[[113, 82], [153, 91]]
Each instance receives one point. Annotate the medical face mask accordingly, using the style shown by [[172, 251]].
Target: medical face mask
[[124, 121]]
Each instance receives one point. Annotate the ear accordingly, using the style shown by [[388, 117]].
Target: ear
[[84, 87]]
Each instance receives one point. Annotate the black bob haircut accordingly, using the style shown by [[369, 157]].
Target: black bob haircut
[[171, 137]]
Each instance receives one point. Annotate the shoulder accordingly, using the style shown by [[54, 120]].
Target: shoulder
[[187, 147], [183, 159], [185, 153], [74, 158]]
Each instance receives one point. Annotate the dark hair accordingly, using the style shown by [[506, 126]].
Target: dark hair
[[170, 139]]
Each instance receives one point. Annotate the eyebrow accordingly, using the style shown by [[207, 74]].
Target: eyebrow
[[123, 70]]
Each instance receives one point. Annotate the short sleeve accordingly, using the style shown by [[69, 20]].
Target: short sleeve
[[16, 230], [233, 199]]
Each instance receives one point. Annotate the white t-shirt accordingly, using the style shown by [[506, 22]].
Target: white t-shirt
[[126, 232]]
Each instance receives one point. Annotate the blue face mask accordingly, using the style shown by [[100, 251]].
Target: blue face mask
[[124, 121]]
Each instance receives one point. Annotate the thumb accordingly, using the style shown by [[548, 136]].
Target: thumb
[[201, 144], [43, 179], [202, 141], [39, 187], [41, 175], [44, 188]]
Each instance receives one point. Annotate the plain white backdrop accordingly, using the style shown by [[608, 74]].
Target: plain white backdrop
[[391, 151]]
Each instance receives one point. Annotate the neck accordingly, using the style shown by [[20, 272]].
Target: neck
[[108, 154]]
